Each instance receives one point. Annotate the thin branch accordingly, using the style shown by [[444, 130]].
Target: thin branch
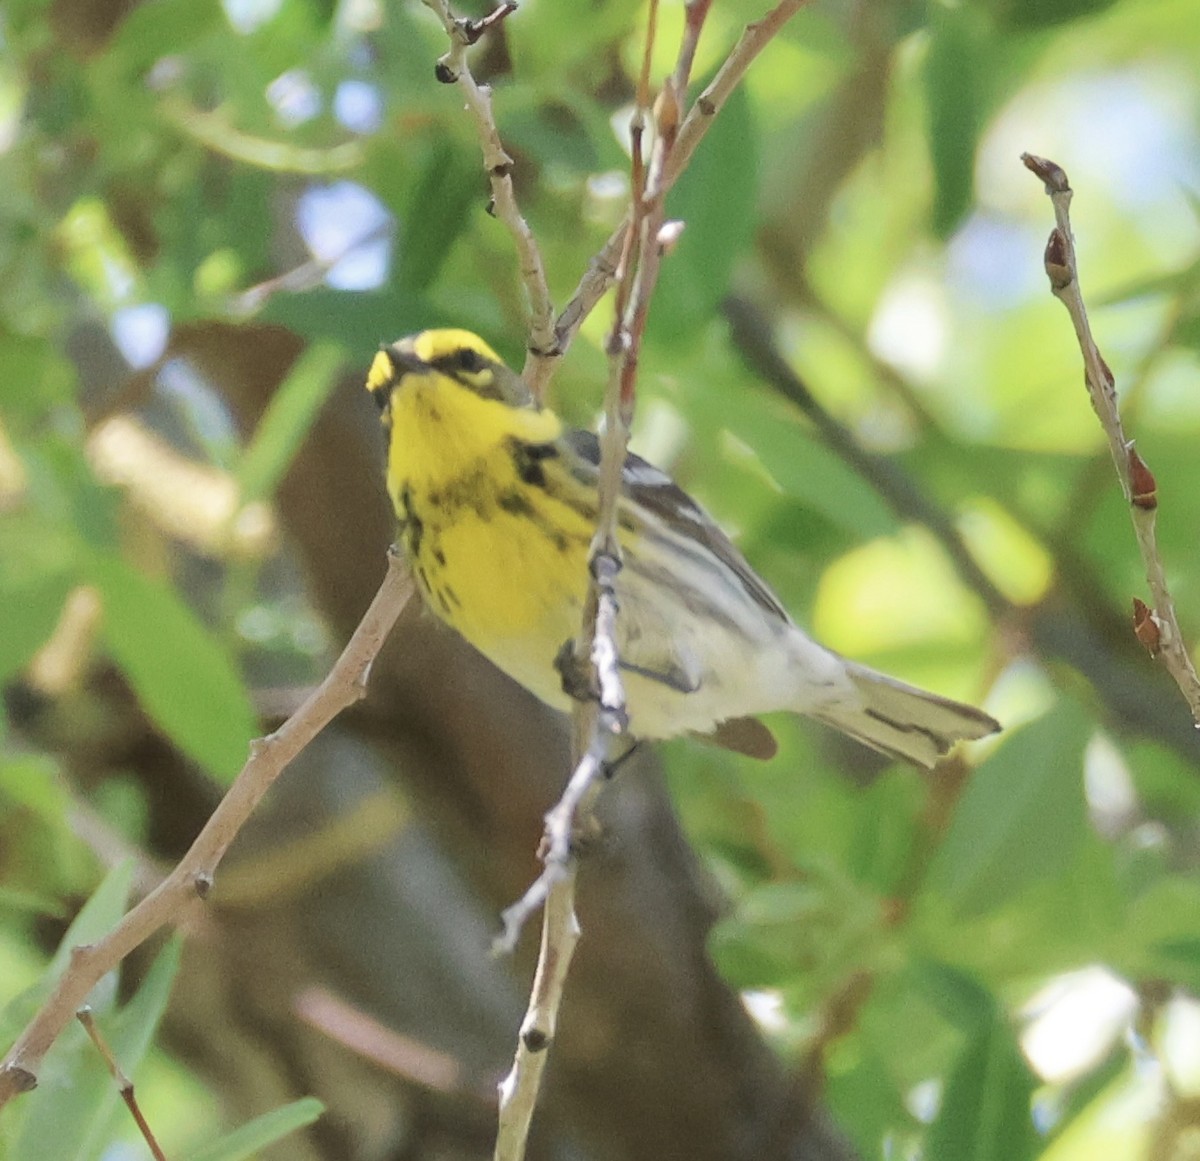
[[601, 271], [1157, 627], [308, 275], [543, 350], [193, 876], [124, 1084], [600, 723]]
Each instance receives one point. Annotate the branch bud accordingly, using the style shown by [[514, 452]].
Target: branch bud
[[667, 112], [1143, 488], [1145, 627], [1052, 174], [1058, 268]]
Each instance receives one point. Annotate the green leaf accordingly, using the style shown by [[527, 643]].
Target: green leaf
[[810, 473], [32, 781], [1020, 819], [1030, 15], [359, 321], [29, 610], [959, 58], [715, 199], [97, 916], [451, 186], [183, 677], [257, 1134], [958, 995], [36, 378], [287, 420], [985, 1112]]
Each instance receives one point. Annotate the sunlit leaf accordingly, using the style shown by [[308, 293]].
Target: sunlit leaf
[[1020, 818]]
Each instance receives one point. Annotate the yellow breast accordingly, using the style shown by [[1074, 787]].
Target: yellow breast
[[500, 560]]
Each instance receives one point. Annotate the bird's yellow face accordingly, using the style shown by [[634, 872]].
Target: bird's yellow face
[[459, 354], [449, 358], [448, 403]]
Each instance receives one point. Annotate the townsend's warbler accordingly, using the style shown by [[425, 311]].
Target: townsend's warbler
[[497, 505]]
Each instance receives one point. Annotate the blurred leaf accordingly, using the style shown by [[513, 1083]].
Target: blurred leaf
[[1186, 332], [261, 1132], [960, 56], [807, 936], [287, 419], [772, 442], [151, 31], [986, 1107], [451, 186], [182, 676], [810, 473], [96, 918], [29, 610], [1178, 960], [866, 1100], [36, 377], [358, 321], [960, 998], [551, 129], [1086, 1090], [1163, 931], [985, 1113], [1020, 818], [1118, 1122], [696, 272], [32, 782], [890, 810], [1027, 15]]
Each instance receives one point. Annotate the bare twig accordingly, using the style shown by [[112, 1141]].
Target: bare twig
[[602, 269], [543, 351], [193, 876], [124, 1084], [307, 275], [1137, 481]]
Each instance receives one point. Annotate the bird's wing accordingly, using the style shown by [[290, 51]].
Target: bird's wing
[[656, 497]]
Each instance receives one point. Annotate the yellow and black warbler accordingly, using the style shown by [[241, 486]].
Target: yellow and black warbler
[[497, 505]]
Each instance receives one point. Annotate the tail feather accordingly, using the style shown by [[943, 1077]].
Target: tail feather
[[903, 721]]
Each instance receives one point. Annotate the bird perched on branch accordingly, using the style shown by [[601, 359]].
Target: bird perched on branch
[[497, 502]]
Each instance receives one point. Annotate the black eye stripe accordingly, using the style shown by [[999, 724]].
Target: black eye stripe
[[464, 359]]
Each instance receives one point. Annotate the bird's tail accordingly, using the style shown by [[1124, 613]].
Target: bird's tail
[[903, 721]]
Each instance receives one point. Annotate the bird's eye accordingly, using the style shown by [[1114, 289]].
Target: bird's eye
[[470, 360]]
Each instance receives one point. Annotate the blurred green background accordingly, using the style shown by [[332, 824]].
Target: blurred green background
[[212, 214]]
